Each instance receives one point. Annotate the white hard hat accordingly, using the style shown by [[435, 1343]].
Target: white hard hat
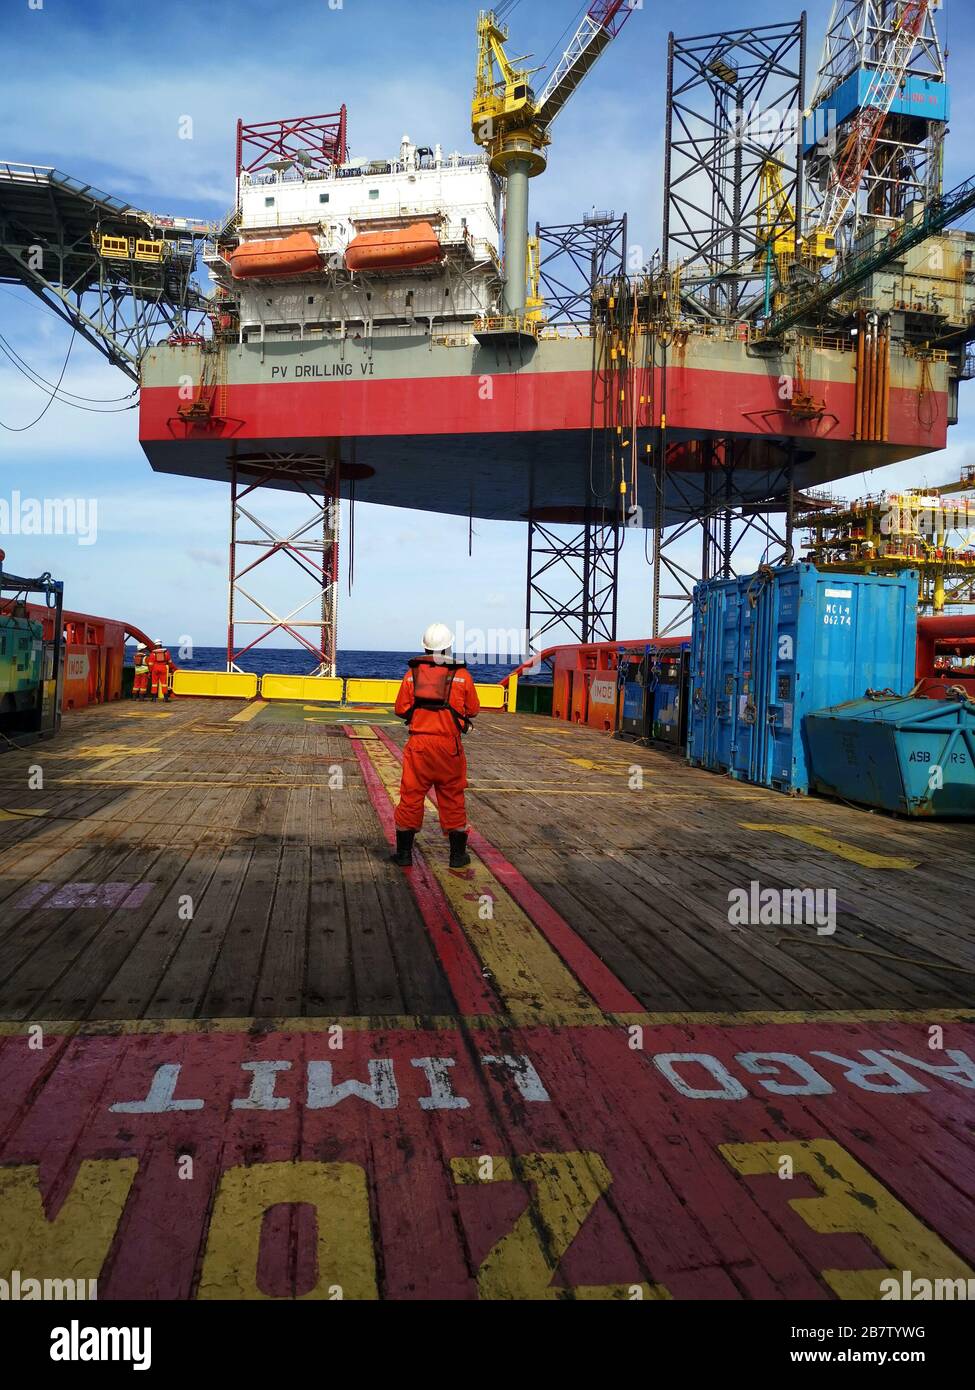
[[140, 646], [438, 638]]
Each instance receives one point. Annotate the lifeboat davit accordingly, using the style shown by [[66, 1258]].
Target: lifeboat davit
[[400, 249], [288, 255]]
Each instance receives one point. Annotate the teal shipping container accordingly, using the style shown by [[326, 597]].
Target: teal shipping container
[[769, 648], [912, 756]]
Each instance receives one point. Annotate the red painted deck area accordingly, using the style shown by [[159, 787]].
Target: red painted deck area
[[537, 1079], [456, 1163]]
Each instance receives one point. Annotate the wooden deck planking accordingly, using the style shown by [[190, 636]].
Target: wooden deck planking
[[632, 1141], [642, 877]]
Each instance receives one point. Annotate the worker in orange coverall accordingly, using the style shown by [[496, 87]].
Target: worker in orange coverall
[[140, 685], [161, 666], [438, 701]]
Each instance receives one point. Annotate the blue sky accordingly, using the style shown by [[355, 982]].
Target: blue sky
[[98, 88]]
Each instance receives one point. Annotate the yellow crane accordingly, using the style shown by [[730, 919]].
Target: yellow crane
[[512, 123], [776, 226]]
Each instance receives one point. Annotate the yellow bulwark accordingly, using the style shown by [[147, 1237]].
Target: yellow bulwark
[[240, 685], [332, 690], [370, 692], [315, 688], [490, 696], [376, 692]]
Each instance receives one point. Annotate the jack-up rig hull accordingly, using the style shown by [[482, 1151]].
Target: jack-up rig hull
[[499, 432]]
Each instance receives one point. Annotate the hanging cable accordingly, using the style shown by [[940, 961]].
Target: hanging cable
[[59, 396], [19, 429], [351, 534], [559, 45], [10, 351]]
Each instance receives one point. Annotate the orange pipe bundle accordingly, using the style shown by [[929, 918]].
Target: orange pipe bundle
[[871, 387]]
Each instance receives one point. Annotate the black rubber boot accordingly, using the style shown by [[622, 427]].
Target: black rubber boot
[[459, 858], [404, 848]]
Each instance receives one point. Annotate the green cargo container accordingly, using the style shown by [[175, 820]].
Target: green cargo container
[[534, 699], [21, 655]]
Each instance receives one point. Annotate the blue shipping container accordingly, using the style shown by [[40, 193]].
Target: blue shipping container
[[769, 648], [912, 756]]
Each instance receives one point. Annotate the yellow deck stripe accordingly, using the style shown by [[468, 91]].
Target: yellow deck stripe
[[529, 976], [379, 1023], [249, 712], [821, 839]]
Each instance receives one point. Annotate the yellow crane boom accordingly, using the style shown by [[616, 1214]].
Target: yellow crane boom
[[512, 124]]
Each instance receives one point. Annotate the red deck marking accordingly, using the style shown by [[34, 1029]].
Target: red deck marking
[[595, 977], [460, 964], [667, 1137]]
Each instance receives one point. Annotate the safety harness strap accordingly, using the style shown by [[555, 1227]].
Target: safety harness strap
[[432, 685]]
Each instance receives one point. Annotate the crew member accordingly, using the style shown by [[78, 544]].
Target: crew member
[[438, 701], [160, 667], [140, 686]]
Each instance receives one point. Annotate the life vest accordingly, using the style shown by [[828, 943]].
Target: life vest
[[432, 684]]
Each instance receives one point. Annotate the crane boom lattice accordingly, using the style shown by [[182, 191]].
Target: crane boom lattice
[[861, 141]]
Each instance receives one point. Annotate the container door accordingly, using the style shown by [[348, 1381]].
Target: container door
[[779, 685], [698, 712], [732, 664], [705, 693]]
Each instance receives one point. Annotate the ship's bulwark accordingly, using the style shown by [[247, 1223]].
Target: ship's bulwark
[[464, 428]]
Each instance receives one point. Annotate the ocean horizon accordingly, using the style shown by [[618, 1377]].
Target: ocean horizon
[[364, 665]]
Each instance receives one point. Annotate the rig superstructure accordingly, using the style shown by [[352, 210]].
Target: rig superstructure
[[931, 530]]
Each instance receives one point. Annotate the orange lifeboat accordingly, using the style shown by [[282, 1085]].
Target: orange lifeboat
[[290, 255], [400, 249]]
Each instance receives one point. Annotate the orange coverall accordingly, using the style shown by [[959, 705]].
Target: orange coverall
[[160, 666], [140, 685], [434, 754]]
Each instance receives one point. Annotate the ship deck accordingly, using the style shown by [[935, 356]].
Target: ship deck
[[563, 1072]]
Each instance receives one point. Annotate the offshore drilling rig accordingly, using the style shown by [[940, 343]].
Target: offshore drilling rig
[[808, 315]]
